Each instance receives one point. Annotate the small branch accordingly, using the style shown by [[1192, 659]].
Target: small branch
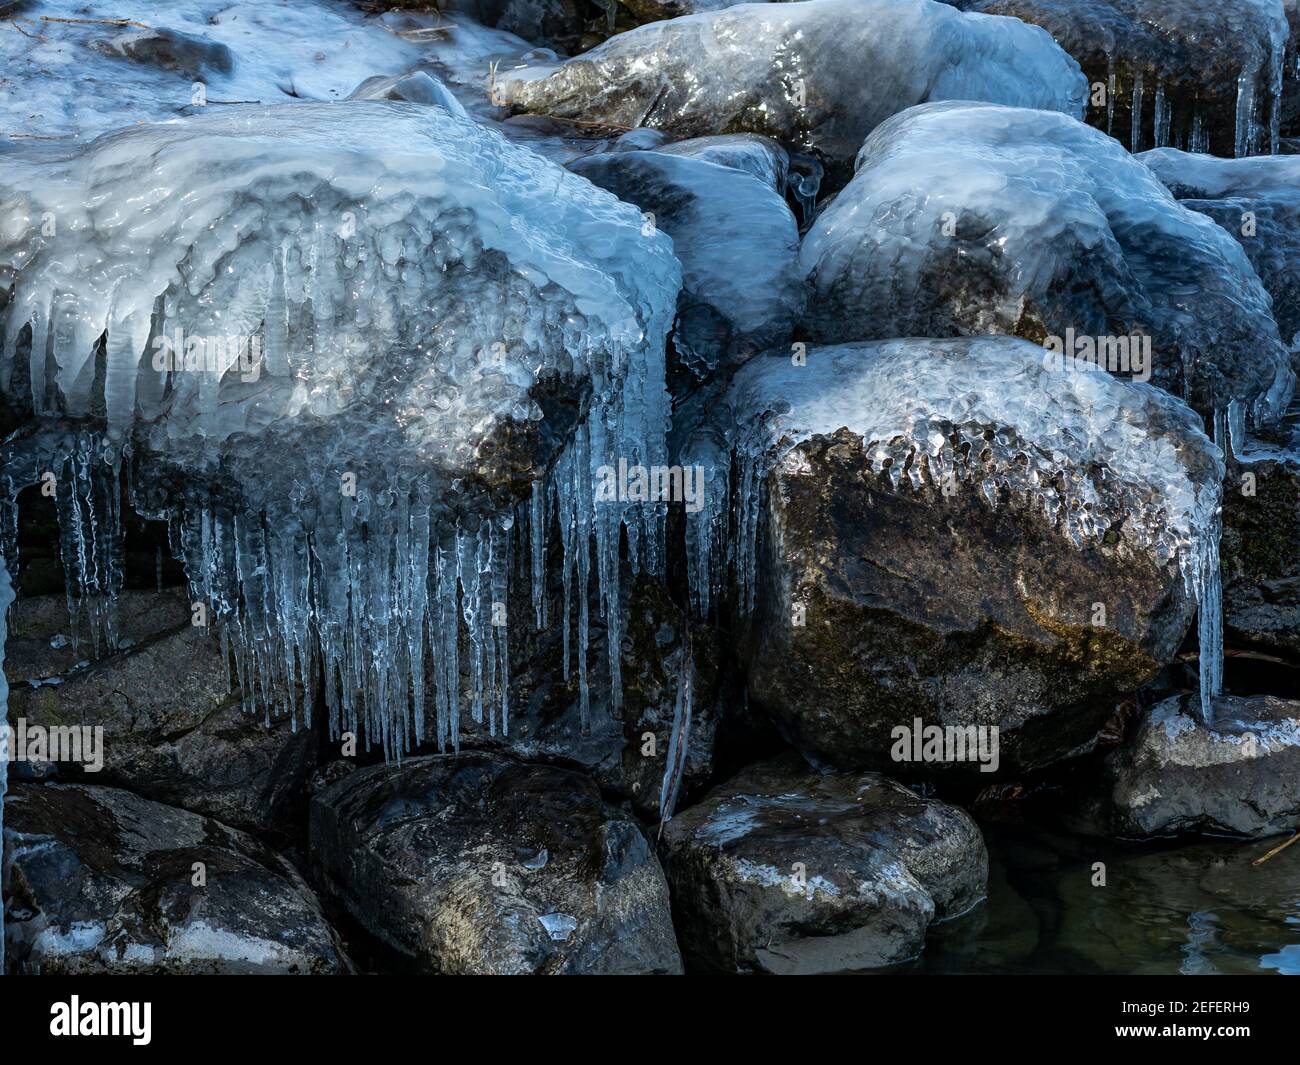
[[14, 23], [95, 21], [1276, 850]]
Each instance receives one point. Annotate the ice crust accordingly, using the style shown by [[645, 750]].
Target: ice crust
[[78, 80], [737, 242], [1038, 212], [822, 73], [442, 316]]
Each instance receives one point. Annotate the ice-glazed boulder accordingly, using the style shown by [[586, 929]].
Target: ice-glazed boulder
[[480, 864], [1257, 201], [967, 218], [957, 533], [820, 74], [1205, 75], [790, 871], [738, 244], [343, 341]]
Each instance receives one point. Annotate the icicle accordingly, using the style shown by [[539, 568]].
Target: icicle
[[1162, 117], [1135, 132], [6, 597], [537, 540], [1209, 589], [675, 767]]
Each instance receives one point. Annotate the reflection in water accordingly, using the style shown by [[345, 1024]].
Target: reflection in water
[[1202, 940]]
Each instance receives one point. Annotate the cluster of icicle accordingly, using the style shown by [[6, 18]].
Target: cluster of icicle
[[412, 278], [1257, 121]]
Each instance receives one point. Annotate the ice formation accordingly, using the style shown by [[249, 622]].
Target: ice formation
[[342, 342], [967, 218], [6, 597], [820, 74], [760, 156], [77, 80], [1096, 452], [1205, 75]]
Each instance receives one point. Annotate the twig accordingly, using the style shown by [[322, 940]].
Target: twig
[[1276, 850], [14, 23], [95, 21]]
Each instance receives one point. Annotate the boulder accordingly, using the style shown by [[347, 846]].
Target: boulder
[[968, 218], [100, 881], [959, 533], [820, 74], [1237, 776], [787, 870], [1261, 545], [173, 731], [481, 864]]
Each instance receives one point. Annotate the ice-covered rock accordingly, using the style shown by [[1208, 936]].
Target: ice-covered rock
[[1238, 776], [76, 79], [820, 74], [762, 157], [967, 218], [955, 531], [1205, 75], [787, 870], [342, 343], [738, 244], [1257, 201], [481, 864], [100, 881]]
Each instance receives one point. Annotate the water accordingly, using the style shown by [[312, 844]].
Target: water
[[1195, 909]]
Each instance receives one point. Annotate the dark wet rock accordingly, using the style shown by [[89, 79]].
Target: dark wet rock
[[174, 732], [98, 880], [1240, 776], [820, 74], [183, 53], [480, 864], [625, 749], [1257, 202], [967, 218], [949, 531], [787, 870], [1184, 66], [1261, 549], [558, 24], [738, 245], [45, 642]]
